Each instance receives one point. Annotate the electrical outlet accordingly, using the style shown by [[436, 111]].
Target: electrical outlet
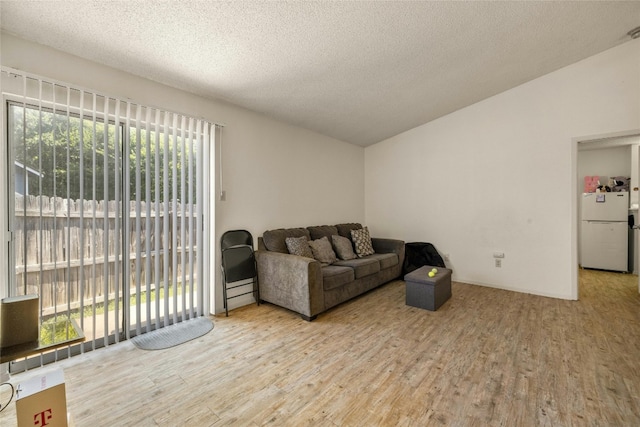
[[498, 262], [446, 257]]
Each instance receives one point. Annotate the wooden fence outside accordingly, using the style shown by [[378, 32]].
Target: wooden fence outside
[[67, 250]]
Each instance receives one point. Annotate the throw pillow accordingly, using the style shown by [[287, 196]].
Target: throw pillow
[[344, 230], [343, 247], [362, 242], [322, 251], [298, 246]]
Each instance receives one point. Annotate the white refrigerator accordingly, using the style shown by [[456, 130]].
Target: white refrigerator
[[604, 231]]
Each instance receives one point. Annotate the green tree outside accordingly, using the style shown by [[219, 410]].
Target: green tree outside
[[62, 151]]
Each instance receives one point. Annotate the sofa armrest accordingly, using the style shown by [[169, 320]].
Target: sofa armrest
[[384, 246], [291, 281]]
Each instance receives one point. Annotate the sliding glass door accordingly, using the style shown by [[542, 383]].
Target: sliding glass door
[[107, 212]]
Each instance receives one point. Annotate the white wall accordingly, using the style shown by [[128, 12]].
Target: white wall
[[610, 162], [275, 175], [501, 175]]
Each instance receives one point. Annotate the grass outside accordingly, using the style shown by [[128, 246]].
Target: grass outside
[[58, 327]]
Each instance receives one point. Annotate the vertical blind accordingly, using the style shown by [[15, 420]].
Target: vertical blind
[[108, 210]]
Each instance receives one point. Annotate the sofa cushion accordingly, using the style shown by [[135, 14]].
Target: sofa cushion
[[362, 242], [320, 231], [344, 230], [299, 246], [361, 266], [385, 260], [343, 247], [334, 276], [322, 251], [274, 240]]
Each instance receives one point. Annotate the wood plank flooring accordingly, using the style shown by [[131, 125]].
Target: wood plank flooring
[[486, 358]]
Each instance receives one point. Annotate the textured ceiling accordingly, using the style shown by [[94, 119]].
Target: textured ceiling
[[357, 71]]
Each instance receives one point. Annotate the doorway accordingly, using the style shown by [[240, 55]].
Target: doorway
[[607, 157]]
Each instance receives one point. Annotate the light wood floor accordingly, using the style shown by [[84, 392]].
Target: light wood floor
[[486, 358]]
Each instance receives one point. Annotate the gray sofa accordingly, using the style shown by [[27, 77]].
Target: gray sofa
[[305, 286]]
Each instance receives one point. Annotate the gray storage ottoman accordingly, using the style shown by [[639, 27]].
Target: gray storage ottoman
[[428, 292]]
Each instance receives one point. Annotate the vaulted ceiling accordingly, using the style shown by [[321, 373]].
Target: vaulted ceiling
[[358, 71]]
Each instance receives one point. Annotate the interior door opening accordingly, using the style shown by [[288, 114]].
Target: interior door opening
[[610, 156]]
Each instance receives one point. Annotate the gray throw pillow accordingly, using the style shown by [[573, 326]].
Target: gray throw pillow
[[298, 246], [362, 242], [322, 251], [343, 247]]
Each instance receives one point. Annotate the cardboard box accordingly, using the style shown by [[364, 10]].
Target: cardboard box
[[19, 320], [41, 401]]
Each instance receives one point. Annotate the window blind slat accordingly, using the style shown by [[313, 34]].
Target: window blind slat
[[177, 200], [148, 246]]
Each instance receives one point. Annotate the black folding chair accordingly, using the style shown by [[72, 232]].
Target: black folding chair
[[238, 265]]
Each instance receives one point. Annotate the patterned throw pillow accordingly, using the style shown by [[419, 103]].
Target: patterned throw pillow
[[322, 251], [362, 242], [343, 247], [298, 246]]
